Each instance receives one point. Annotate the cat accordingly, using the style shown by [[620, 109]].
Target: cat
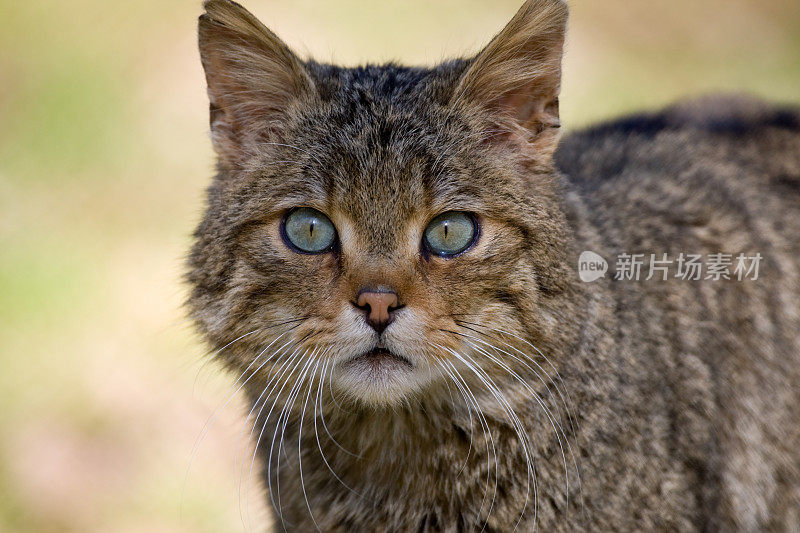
[[389, 264]]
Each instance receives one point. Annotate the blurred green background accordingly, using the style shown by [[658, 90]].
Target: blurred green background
[[104, 154]]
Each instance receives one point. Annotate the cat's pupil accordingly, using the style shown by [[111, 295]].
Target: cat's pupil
[[311, 229]]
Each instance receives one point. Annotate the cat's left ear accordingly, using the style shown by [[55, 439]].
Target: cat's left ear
[[517, 77]]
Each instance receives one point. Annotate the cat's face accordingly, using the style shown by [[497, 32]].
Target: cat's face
[[368, 223]]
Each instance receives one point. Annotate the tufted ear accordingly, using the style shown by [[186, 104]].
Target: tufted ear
[[517, 76], [252, 76]]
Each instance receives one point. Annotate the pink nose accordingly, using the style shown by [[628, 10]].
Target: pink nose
[[379, 307]]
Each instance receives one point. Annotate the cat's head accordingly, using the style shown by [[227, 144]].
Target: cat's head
[[379, 224]]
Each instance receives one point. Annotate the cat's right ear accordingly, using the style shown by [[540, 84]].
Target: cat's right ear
[[252, 77], [517, 78]]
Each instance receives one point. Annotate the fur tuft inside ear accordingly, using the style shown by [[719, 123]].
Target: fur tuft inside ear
[[517, 76], [252, 78]]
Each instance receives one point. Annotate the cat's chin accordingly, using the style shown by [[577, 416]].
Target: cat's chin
[[378, 377]]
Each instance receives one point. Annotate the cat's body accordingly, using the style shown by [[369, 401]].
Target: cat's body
[[701, 428], [523, 397], [684, 393]]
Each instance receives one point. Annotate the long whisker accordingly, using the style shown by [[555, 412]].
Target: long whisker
[[209, 357], [462, 384], [529, 358], [556, 426], [322, 416], [318, 402], [299, 444], [568, 399], [287, 371], [516, 423], [558, 430], [254, 372], [281, 370], [277, 354], [213, 418], [469, 412], [565, 401], [286, 414], [333, 396], [289, 398], [457, 381]]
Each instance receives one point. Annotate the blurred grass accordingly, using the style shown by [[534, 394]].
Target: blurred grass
[[103, 159]]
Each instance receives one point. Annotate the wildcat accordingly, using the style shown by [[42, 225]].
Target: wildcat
[[388, 263]]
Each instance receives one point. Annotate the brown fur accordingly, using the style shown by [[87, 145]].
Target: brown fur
[[531, 398]]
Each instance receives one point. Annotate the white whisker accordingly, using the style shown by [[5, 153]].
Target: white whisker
[[289, 369], [299, 444], [285, 413], [516, 423], [464, 387], [318, 402]]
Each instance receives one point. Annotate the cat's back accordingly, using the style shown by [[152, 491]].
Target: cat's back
[[717, 175], [717, 142]]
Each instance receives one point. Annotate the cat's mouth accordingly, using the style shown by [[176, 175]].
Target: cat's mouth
[[381, 357], [378, 376]]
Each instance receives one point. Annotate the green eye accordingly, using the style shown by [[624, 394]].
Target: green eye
[[451, 233], [308, 231]]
